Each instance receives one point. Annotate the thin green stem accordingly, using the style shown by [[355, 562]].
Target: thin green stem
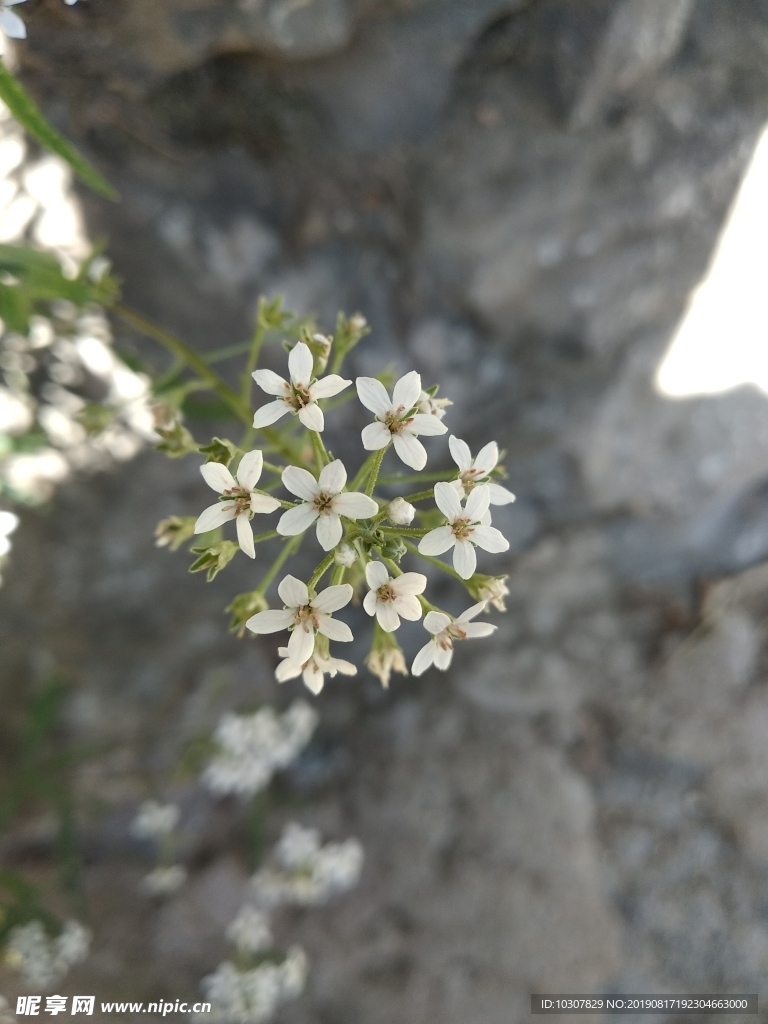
[[375, 467], [182, 351], [393, 567], [246, 381], [420, 495], [409, 478], [273, 468], [404, 531], [338, 575], [362, 473], [319, 572], [287, 550], [322, 458], [435, 561], [258, 537]]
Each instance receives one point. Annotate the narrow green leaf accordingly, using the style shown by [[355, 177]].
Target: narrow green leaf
[[28, 115]]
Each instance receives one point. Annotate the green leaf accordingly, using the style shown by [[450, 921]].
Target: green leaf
[[27, 114]]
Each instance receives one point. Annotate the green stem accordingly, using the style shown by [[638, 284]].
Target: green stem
[[375, 467], [287, 550], [253, 357], [319, 572], [420, 495], [435, 561], [393, 567], [338, 575], [404, 531], [258, 537], [321, 453], [409, 478], [362, 473], [182, 351]]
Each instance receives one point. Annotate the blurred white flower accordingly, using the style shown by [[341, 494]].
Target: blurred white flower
[[304, 872], [250, 931], [382, 662], [305, 617], [493, 590], [446, 631], [155, 820], [43, 961], [431, 406], [243, 500], [323, 501], [390, 597], [10, 22], [8, 523], [466, 527], [164, 881], [477, 471], [300, 395], [314, 670], [252, 996], [396, 419]]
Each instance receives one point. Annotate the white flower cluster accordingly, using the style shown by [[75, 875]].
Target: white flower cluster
[[304, 872], [42, 960], [251, 996], [253, 747], [155, 820], [158, 822]]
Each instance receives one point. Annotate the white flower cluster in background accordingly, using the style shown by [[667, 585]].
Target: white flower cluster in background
[[252, 996], [158, 823], [253, 747], [43, 960], [304, 872]]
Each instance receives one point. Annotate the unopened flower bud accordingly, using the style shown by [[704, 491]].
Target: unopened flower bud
[[345, 555], [243, 607], [393, 548], [400, 512], [173, 531]]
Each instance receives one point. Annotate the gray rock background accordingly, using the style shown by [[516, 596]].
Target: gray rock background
[[520, 197]]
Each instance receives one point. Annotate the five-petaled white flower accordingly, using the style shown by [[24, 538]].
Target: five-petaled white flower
[[299, 395], [10, 22], [465, 528], [389, 597], [446, 631], [314, 670], [396, 419], [472, 473], [305, 617], [242, 498], [323, 501]]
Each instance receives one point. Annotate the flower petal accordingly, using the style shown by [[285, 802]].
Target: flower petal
[[500, 495], [460, 453], [410, 583], [328, 386], [301, 483], [249, 470], [490, 539], [334, 629], [297, 520], [477, 503], [329, 531], [428, 425], [263, 503], [300, 363], [271, 621], [464, 559], [369, 602], [436, 622], [373, 395], [311, 417], [287, 669], [437, 541], [218, 477], [443, 657], [487, 458], [408, 606], [375, 436], [424, 658], [245, 535], [12, 25], [332, 478], [376, 575], [270, 413], [410, 450], [332, 598], [447, 500], [345, 667], [355, 505], [407, 391], [388, 618], [313, 677], [270, 382], [301, 643], [478, 629], [471, 612], [214, 516], [293, 592]]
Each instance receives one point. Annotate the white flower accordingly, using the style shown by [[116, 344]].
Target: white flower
[[252, 996], [324, 502], [389, 597], [243, 500], [431, 406], [254, 747], [44, 961], [10, 22], [493, 591], [384, 661], [396, 419], [314, 670], [8, 523], [305, 617], [164, 881], [472, 473], [155, 820], [301, 394], [465, 528], [304, 872], [345, 555], [400, 512], [250, 931], [439, 650]]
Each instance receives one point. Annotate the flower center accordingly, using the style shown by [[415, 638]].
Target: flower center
[[462, 529], [444, 640], [241, 498], [324, 503], [297, 396], [305, 615], [469, 478], [386, 593], [395, 421]]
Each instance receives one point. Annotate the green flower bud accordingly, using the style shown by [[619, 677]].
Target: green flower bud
[[214, 558]]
